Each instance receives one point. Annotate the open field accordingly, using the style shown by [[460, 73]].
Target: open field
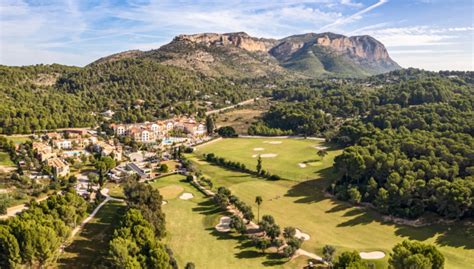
[[89, 248], [5, 159], [239, 119], [115, 190], [302, 204], [18, 139], [291, 154], [192, 237]]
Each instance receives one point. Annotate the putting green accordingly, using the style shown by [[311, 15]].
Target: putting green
[[302, 204]]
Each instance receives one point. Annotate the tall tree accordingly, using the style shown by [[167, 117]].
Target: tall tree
[[258, 201], [259, 164], [210, 124]]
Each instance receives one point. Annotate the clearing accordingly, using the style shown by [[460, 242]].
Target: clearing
[[5, 160]]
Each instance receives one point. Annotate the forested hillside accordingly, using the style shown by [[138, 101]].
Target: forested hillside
[[31, 102], [409, 133], [48, 97]]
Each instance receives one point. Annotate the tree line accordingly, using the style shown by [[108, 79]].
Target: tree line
[[240, 167]]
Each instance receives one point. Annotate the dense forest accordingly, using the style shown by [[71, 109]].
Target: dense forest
[[54, 96], [33, 238], [408, 134]]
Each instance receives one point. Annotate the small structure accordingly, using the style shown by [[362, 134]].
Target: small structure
[[60, 167], [43, 151], [137, 170], [63, 144]]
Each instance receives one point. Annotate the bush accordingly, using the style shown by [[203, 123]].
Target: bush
[[189, 178], [288, 251], [227, 131]]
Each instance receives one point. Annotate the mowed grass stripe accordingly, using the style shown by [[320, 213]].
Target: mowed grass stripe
[[328, 221], [290, 153], [192, 237]]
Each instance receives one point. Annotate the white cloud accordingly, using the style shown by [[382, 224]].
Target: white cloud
[[353, 17], [351, 3], [414, 35]]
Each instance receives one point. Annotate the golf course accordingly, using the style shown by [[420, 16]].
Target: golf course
[[296, 200]]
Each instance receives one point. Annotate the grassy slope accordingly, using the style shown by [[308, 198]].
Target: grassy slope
[[191, 235], [5, 159], [90, 246], [301, 204], [239, 119]]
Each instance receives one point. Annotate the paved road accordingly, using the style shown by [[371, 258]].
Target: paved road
[[249, 101], [104, 192]]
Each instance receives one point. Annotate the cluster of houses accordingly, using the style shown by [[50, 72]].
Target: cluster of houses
[[54, 148], [149, 132]]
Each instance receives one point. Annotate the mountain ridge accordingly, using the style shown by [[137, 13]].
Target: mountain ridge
[[241, 55]]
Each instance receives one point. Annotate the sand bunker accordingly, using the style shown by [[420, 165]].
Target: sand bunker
[[301, 235], [164, 202], [266, 155], [258, 149], [223, 225], [320, 148], [302, 165], [372, 255], [272, 142], [186, 196]]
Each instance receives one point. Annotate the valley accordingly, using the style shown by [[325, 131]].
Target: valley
[[225, 150]]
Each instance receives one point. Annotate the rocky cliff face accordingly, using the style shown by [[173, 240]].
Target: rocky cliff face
[[240, 40], [359, 48]]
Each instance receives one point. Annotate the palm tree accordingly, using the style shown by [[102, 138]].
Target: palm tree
[[259, 201]]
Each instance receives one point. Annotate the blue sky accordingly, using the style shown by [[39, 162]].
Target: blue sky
[[429, 34]]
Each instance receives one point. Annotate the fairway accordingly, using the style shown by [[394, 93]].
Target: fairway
[[292, 159], [327, 221], [192, 237], [90, 247]]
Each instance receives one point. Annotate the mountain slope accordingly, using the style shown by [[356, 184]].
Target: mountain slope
[[239, 55], [333, 54]]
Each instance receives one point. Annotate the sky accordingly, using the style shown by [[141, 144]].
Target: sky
[[428, 34]]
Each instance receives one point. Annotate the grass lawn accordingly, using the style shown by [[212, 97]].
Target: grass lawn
[[302, 204], [172, 164], [290, 154], [89, 248], [5, 159], [115, 190], [18, 139], [192, 237]]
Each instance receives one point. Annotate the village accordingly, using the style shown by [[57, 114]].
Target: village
[[145, 150]]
